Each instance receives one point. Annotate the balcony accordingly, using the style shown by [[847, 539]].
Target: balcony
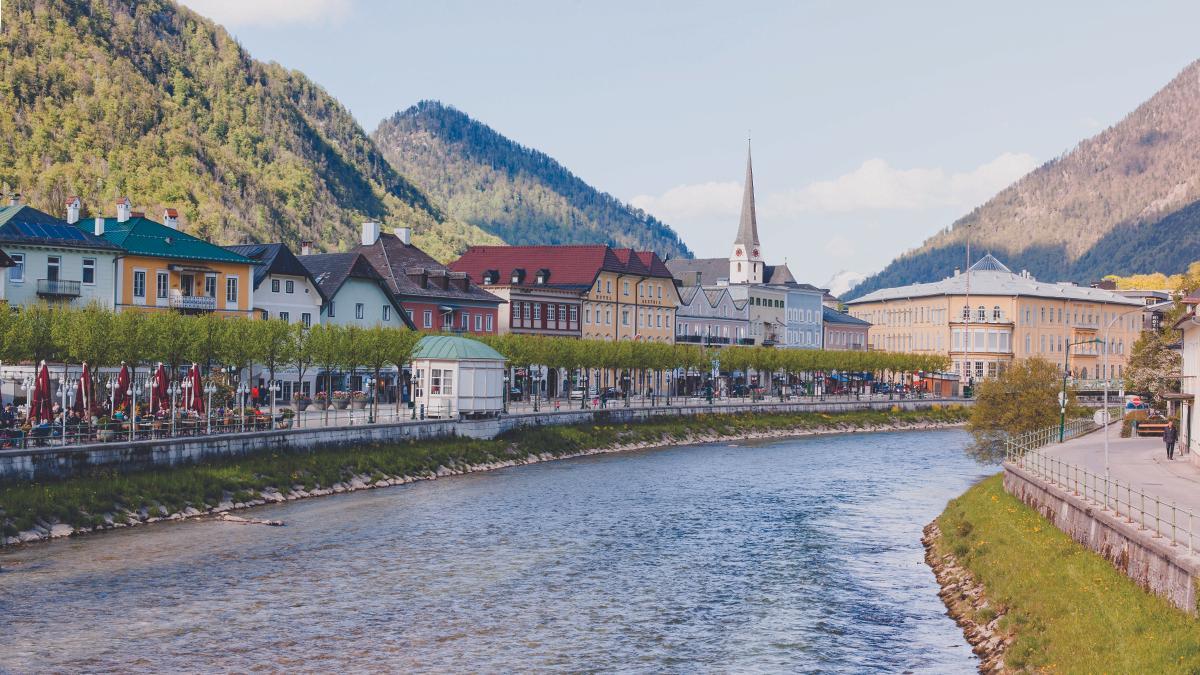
[[193, 303], [702, 339], [58, 288]]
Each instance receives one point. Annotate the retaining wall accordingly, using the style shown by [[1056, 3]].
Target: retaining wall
[[1146, 558], [55, 462]]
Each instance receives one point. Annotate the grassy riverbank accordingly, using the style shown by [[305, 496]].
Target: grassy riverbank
[[100, 500], [1069, 609]]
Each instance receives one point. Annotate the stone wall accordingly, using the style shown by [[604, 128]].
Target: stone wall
[[1150, 560], [56, 462]]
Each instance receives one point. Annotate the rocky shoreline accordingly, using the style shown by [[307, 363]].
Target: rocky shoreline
[[967, 603], [44, 531]]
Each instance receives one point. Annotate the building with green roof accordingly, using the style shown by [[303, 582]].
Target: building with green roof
[[455, 377]]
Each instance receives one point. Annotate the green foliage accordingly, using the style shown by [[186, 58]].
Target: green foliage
[[1070, 609], [150, 100], [1154, 367], [1024, 398], [516, 193]]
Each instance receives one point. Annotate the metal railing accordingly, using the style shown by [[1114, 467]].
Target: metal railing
[[59, 287], [1146, 512], [193, 302]]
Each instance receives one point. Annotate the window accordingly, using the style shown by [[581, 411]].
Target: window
[[488, 323], [210, 286], [331, 308], [387, 312], [608, 286], [996, 313], [551, 314], [608, 317], [360, 310], [418, 383], [89, 271], [625, 317], [306, 319], [289, 286], [574, 314], [537, 311], [625, 288], [231, 290], [285, 317], [982, 313], [427, 319], [478, 323], [435, 382], [162, 284], [53, 265], [274, 285], [264, 314], [17, 271], [139, 284], [448, 319], [409, 312], [587, 315], [526, 310], [966, 314], [466, 320]]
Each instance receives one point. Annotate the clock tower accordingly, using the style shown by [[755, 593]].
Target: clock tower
[[746, 261]]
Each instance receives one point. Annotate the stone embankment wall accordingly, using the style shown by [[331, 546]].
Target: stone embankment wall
[[56, 462], [1148, 559]]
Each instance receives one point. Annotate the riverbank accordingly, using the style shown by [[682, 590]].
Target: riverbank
[[37, 511], [1028, 597]]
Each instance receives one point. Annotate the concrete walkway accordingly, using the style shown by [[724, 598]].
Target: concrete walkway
[[1140, 462]]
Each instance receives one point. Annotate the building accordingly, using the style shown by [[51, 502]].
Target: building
[[354, 292], [541, 299], [435, 297], [782, 311], [284, 288], [52, 260], [454, 377], [844, 332], [710, 316], [986, 317], [162, 267], [5, 262]]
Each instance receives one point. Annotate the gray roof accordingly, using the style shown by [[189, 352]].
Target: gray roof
[[711, 270], [833, 316], [275, 259], [990, 277], [331, 270]]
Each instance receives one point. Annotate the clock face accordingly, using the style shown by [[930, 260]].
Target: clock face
[[755, 253], [737, 252]]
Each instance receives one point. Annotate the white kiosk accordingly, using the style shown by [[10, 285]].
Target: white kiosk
[[454, 376]]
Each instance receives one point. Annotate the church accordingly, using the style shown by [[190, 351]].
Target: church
[[780, 312]]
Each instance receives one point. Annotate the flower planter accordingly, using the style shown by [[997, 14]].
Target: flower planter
[[341, 403], [301, 405], [358, 405]]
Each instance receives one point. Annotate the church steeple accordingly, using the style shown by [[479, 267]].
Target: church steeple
[[745, 263]]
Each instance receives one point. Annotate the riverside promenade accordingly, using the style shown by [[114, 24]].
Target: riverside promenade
[[1143, 514]]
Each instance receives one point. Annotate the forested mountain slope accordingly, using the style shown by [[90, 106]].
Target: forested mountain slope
[[519, 194], [1126, 200], [147, 99]]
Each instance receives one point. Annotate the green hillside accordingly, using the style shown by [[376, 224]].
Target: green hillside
[[1124, 201], [150, 100], [516, 193]]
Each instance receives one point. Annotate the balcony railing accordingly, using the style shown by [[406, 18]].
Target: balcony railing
[[199, 303], [58, 288], [703, 339]]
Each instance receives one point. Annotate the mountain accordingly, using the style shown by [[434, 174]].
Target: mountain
[[1124, 201], [516, 193], [844, 281], [146, 99]]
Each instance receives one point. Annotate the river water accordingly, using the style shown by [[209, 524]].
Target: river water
[[793, 555]]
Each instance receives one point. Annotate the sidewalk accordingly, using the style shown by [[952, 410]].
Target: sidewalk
[[1141, 462]]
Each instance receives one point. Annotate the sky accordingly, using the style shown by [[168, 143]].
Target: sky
[[873, 125]]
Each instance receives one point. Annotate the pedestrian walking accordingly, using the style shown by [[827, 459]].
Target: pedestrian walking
[[1170, 435]]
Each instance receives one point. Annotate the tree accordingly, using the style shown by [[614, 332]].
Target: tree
[[171, 339], [1023, 398], [375, 346], [31, 334], [237, 345], [325, 342], [274, 344], [131, 341], [1154, 367], [302, 356]]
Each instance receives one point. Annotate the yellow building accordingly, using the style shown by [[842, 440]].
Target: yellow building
[[632, 296], [987, 317], [164, 268]]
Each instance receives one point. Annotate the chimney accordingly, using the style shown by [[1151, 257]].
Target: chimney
[[417, 275], [370, 233], [306, 247], [99, 227], [14, 199], [73, 206], [957, 271], [124, 208], [404, 234], [171, 218]]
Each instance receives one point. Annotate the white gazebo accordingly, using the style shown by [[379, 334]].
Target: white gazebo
[[454, 376]]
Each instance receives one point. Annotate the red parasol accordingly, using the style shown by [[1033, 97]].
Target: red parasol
[[196, 391], [120, 397], [88, 406], [39, 399], [159, 400], [78, 406]]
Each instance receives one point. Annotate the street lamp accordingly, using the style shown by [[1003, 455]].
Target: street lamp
[[209, 389], [131, 392], [1062, 399], [242, 390], [173, 389], [111, 385], [505, 397], [668, 390], [537, 378], [64, 384]]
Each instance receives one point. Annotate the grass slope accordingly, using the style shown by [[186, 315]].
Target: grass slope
[[1070, 609], [84, 501]]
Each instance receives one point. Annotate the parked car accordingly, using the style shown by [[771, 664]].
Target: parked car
[[578, 394]]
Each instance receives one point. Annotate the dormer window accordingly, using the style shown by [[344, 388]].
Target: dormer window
[[543, 276], [490, 277], [518, 275]]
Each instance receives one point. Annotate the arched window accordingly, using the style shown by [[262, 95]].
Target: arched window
[[996, 313], [966, 313], [982, 313]]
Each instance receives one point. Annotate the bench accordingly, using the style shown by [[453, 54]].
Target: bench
[[1151, 428]]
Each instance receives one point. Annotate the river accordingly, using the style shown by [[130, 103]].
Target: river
[[791, 555]]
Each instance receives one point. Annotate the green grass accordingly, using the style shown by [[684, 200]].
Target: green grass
[[1071, 610], [83, 501]]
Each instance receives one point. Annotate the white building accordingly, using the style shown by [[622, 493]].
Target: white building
[[283, 287], [454, 376]]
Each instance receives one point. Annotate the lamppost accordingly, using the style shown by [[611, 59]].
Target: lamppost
[[537, 379], [371, 404], [1108, 377], [64, 384], [242, 390], [1062, 398], [173, 389], [209, 389], [505, 397], [187, 388], [131, 392], [668, 390], [111, 385]]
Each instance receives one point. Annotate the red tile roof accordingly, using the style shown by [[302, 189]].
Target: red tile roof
[[571, 265]]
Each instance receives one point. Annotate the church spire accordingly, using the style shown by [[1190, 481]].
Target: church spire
[[747, 235]]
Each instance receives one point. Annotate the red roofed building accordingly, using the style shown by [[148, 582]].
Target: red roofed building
[[608, 294]]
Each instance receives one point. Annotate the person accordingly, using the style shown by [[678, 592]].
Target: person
[[1170, 435]]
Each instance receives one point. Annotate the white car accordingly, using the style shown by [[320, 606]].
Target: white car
[[578, 393]]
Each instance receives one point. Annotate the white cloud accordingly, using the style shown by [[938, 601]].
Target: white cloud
[[270, 12], [839, 247], [693, 202]]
